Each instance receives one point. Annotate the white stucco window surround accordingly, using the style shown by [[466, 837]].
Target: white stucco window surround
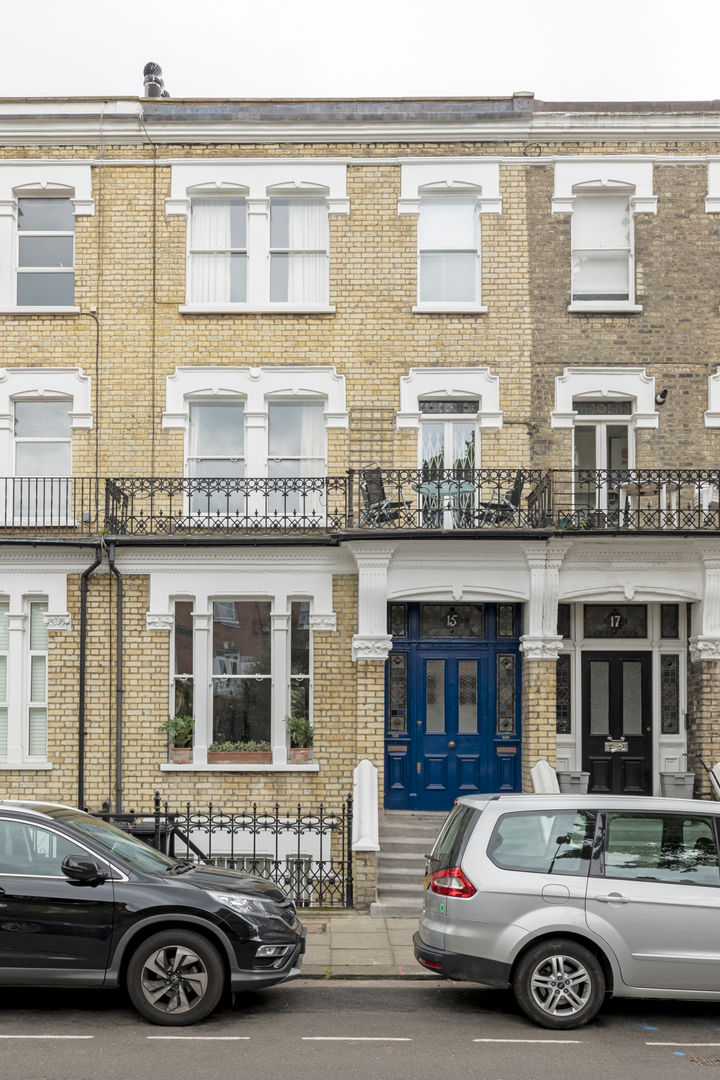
[[61, 179], [38, 384], [712, 416], [455, 384], [712, 202], [603, 195], [449, 199], [608, 383], [257, 245]]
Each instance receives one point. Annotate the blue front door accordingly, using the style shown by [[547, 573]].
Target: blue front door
[[453, 699]]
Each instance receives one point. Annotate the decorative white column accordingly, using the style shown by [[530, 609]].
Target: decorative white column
[[705, 639], [16, 673], [541, 640], [372, 641], [280, 680], [202, 686]]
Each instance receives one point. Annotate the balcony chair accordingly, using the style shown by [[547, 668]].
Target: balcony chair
[[377, 508], [505, 507]]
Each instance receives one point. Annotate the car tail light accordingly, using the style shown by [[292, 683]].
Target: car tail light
[[451, 882]]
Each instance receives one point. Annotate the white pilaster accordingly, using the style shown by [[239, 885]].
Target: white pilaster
[[705, 640], [17, 673], [281, 678], [541, 640], [372, 641], [202, 685]]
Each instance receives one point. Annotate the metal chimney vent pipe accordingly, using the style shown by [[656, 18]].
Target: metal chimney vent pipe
[[153, 81]]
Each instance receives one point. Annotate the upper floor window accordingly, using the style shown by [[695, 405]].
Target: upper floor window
[[258, 232], [218, 254], [448, 250], [603, 195], [216, 448], [602, 249], [45, 259], [298, 250]]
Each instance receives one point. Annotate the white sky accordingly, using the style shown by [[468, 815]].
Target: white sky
[[560, 49]]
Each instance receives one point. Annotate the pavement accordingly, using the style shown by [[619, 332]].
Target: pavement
[[352, 945]]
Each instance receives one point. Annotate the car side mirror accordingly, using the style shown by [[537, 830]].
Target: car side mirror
[[81, 869]]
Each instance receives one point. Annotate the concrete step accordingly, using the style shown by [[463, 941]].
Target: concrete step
[[386, 910]]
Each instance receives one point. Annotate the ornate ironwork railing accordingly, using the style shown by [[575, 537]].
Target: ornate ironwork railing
[[364, 500], [307, 852], [633, 500]]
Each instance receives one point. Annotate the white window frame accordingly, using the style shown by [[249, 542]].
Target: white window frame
[[479, 180], [62, 179], [193, 251], [473, 382], [580, 178], [35, 654], [258, 181], [30, 588]]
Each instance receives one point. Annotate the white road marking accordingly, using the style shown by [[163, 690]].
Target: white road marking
[[681, 1044], [351, 1038], [528, 1040], [201, 1038], [47, 1036]]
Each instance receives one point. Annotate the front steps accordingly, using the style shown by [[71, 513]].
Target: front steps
[[406, 837]]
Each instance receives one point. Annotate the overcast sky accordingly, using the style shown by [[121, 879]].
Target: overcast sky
[[560, 49]]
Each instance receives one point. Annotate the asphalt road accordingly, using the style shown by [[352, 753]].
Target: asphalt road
[[354, 1030]]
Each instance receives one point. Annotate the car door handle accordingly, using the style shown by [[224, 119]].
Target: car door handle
[[612, 898]]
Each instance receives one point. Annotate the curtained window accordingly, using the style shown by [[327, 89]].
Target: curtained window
[[298, 250], [218, 251], [449, 249], [601, 248]]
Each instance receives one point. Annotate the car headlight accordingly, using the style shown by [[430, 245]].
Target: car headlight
[[248, 905]]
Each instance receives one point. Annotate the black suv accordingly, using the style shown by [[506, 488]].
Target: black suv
[[83, 903]]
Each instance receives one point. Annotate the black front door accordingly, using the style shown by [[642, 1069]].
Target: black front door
[[617, 722]]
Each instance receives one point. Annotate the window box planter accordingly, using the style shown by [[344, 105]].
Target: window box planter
[[239, 757]]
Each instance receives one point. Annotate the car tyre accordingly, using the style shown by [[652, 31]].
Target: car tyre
[[175, 977], [559, 984]]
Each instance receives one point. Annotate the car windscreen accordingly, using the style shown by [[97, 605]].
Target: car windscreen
[[453, 836], [113, 841]]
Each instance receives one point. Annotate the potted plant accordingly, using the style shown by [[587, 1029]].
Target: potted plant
[[179, 730], [300, 731], [249, 752]]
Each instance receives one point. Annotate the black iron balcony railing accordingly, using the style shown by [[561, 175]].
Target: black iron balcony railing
[[366, 500]]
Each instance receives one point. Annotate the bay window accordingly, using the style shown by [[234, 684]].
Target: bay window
[[4, 645], [38, 689], [241, 671]]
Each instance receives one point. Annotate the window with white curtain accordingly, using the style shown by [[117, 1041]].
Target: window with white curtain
[[296, 448], [299, 250], [602, 248], [216, 449], [38, 690], [218, 251], [448, 249]]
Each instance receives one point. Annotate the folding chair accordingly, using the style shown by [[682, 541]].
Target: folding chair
[[377, 508], [505, 507]]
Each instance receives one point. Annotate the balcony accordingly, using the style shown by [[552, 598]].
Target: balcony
[[365, 501]]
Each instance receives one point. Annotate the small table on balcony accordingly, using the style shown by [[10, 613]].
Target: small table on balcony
[[635, 488], [445, 496]]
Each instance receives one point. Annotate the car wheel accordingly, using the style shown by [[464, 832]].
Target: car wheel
[[175, 977], [559, 984]]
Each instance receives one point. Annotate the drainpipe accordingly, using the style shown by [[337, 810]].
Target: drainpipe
[[84, 578], [118, 679]]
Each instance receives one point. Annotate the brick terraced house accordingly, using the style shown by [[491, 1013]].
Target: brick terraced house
[[401, 416]]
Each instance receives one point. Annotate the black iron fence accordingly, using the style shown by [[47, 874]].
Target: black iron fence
[[365, 500], [308, 853]]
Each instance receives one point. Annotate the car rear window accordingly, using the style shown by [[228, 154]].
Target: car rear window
[[544, 841], [673, 848], [453, 836]]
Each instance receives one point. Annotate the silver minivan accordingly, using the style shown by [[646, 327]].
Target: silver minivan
[[567, 899]]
